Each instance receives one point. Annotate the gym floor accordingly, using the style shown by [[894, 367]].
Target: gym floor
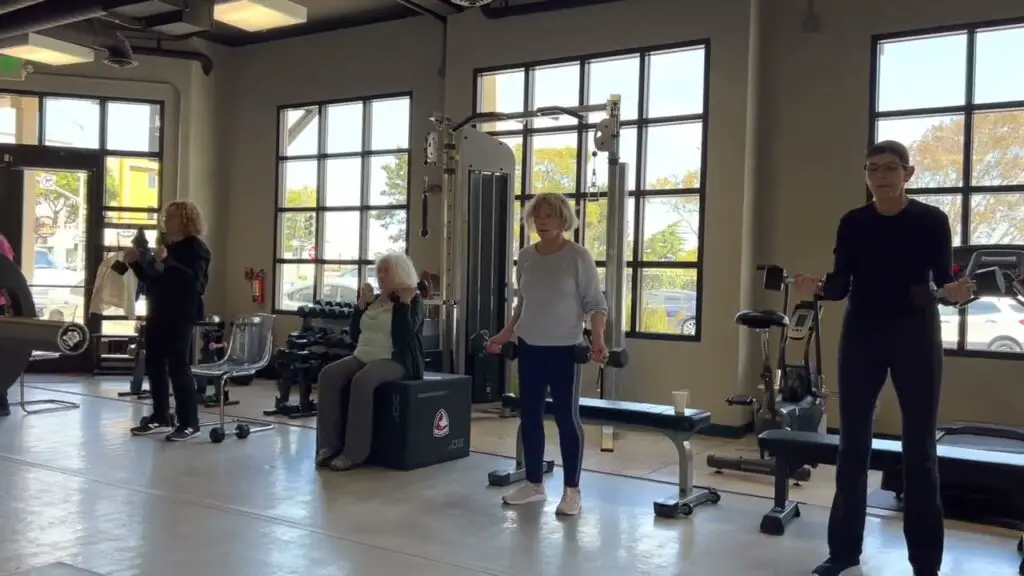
[[81, 496]]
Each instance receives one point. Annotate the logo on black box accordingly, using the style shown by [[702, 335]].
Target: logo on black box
[[441, 424]]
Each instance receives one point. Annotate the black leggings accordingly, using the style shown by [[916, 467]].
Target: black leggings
[[167, 355], [910, 350]]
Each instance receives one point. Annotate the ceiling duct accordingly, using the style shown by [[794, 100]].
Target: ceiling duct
[[39, 16], [510, 10]]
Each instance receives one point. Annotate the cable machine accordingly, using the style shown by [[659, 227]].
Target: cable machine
[[477, 195]]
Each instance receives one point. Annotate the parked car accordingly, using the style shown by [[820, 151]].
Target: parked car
[[342, 288], [680, 308], [995, 324]]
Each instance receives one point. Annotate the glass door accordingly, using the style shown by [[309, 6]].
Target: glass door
[[49, 198]]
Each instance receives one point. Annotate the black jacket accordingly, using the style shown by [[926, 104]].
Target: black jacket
[[406, 329], [175, 286]]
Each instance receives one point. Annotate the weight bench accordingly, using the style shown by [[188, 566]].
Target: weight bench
[[793, 450], [679, 428]]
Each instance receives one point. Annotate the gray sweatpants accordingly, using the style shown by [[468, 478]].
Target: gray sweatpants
[[352, 430]]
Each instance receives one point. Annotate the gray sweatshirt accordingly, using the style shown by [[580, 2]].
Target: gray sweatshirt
[[556, 293]]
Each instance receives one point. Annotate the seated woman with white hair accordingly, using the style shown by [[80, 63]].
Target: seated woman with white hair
[[386, 328]]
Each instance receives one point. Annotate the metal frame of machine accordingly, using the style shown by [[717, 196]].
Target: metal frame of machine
[[465, 154]]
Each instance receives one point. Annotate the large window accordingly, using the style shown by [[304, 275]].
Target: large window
[[664, 136], [128, 134], [343, 196], [956, 99]]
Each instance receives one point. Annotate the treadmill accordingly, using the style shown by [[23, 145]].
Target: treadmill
[[998, 271]]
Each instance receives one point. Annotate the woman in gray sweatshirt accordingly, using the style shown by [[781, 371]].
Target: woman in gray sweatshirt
[[558, 290]]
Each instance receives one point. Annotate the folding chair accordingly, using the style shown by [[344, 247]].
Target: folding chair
[[54, 405], [249, 350]]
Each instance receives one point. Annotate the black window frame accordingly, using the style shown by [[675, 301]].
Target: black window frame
[[109, 212], [968, 110], [365, 153], [638, 194]]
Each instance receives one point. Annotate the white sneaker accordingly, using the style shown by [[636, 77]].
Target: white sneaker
[[570, 504], [525, 494]]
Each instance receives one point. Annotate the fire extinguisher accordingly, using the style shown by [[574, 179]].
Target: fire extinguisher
[[255, 278]]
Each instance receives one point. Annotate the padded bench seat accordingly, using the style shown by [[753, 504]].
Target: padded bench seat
[[793, 450], [678, 427]]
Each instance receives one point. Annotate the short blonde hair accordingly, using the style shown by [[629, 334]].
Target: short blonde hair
[[191, 216], [402, 267], [558, 203]]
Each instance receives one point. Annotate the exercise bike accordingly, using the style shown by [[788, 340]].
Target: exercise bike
[[794, 397]]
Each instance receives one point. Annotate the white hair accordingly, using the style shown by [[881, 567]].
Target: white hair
[[558, 203], [404, 270]]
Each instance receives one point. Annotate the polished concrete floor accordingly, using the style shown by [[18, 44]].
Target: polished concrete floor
[[75, 488]]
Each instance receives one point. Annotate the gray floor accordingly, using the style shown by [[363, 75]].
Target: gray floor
[[76, 488]]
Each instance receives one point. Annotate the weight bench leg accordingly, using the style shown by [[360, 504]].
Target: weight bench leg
[[54, 405], [783, 510], [506, 477], [689, 496]]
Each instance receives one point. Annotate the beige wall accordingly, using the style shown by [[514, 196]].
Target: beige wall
[[788, 122], [387, 58]]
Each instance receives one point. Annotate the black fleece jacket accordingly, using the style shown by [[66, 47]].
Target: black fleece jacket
[[176, 285], [406, 328]]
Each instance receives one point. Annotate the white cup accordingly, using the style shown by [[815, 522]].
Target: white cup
[[679, 400]]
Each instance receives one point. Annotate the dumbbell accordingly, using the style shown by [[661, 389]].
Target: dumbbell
[[617, 357], [478, 346]]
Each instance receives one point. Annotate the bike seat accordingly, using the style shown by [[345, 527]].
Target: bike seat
[[762, 319]]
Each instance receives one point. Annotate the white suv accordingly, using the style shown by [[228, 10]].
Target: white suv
[[995, 324]]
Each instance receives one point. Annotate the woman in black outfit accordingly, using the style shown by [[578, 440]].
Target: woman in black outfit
[[175, 278], [884, 250]]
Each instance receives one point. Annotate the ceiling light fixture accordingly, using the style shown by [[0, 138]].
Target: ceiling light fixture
[[45, 50], [259, 15]]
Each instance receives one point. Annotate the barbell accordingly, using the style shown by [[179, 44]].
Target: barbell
[[21, 332]]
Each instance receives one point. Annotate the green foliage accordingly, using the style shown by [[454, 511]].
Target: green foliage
[[997, 159], [299, 228], [62, 202], [396, 191], [653, 320]]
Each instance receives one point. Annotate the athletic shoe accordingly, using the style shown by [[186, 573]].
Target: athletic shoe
[[525, 494], [834, 567], [182, 433], [570, 504], [5, 407], [150, 428]]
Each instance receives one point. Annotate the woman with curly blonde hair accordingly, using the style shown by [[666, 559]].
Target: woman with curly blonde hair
[[175, 277]]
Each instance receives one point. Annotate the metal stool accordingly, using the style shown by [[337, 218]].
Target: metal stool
[[54, 405]]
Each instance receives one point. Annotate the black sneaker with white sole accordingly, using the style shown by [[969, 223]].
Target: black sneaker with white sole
[[182, 433], [149, 428]]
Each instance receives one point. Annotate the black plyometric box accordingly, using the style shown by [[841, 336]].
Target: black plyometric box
[[419, 423]]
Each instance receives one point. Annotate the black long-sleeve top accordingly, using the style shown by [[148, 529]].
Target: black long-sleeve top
[[879, 259], [175, 286], [406, 329]]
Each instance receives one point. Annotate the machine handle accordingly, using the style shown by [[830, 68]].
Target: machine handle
[[424, 204]]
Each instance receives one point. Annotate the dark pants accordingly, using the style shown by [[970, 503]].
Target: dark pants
[[542, 368], [4, 407], [167, 355], [910, 350]]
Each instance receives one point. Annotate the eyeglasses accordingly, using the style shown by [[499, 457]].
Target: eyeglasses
[[888, 167]]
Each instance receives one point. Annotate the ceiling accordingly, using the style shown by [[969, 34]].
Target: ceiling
[[326, 15]]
